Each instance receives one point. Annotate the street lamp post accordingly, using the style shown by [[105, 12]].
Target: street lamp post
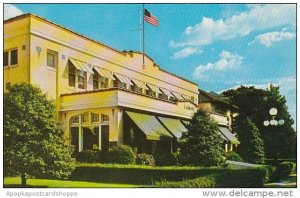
[[273, 112]]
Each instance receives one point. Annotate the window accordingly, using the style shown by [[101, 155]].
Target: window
[[163, 96], [150, 92], [84, 118], [14, 57], [95, 81], [10, 57], [75, 120], [71, 75], [81, 79], [103, 82], [5, 58], [51, 59], [104, 118], [95, 117], [192, 99]]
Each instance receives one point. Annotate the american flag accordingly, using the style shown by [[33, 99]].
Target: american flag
[[150, 18]]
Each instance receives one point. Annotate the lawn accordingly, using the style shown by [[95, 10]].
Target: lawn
[[49, 183]]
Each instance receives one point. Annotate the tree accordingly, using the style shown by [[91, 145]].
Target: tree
[[251, 148], [33, 139], [202, 144], [279, 141]]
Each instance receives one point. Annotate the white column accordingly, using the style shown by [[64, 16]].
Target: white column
[[226, 148], [80, 138]]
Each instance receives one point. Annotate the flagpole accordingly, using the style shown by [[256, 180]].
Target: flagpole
[[143, 42]]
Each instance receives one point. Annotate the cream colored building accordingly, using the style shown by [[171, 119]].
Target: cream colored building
[[104, 97]]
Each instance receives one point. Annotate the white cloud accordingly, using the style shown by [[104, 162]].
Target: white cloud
[[186, 52], [258, 17], [11, 11], [227, 61], [269, 38]]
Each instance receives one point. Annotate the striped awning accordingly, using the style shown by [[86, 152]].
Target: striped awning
[[175, 126], [104, 73], [123, 79], [154, 88], [81, 65], [167, 92], [177, 95], [149, 125], [185, 97], [231, 137], [139, 83]]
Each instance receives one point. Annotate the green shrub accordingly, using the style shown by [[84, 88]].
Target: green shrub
[[147, 175], [242, 178], [121, 154], [201, 182], [88, 156], [233, 156], [284, 169], [165, 159], [145, 159]]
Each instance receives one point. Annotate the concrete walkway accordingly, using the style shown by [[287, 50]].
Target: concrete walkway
[[290, 182]]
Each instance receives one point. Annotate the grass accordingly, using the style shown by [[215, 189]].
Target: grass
[[49, 183]]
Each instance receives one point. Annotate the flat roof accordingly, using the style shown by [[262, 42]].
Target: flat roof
[[87, 38]]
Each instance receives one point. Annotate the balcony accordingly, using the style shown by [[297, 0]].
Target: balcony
[[219, 118], [117, 97]]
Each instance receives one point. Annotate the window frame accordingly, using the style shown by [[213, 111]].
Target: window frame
[[17, 58], [9, 57], [55, 56], [81, 75], [6, 51], [72, 68]]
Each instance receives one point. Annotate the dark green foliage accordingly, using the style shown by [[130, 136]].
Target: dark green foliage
[[284, 169], [279, 141], [242, 178], [88, 156], [202, 144], [145, 159], [233, 156], [201, 182], [121, 154], [146, 175], [165, 159], [33, 140], [251, 148]]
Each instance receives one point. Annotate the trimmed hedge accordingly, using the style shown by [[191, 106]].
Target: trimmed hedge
[[146, 175], [201, 182], [233, 156], [145, 159], [242, 178], [88, 156], [165, 159], [284, 169]]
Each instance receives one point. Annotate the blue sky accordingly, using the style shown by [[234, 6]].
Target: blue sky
[[218, 46]]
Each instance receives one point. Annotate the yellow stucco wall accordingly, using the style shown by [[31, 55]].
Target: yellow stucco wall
[[16, 36]]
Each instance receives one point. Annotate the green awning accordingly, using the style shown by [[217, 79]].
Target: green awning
[[149, 125], [81, 65], [174, 126], [104, 73], [231, 137]]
